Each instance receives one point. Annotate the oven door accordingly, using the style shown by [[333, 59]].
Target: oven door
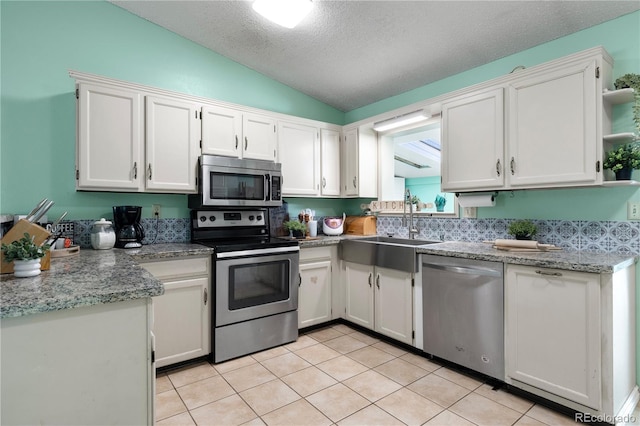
[[257, 283]]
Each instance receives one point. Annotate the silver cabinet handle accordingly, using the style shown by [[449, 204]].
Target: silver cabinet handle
[[206, 296], [149, 171], [552, 274], [135, 170], [378, 281], [513, 166], [299, 279], [246, 143], [370, 276], [324, 182], [236, 141], [354, 181], [498, 167]]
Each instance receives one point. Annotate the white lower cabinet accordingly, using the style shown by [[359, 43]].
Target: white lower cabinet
[[314, 292], [570, 336], [380, 299], [182, 315]]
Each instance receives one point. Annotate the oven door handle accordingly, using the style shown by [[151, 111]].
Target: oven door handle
[[246, 253]]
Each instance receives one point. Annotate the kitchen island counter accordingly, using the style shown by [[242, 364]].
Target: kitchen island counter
[[90, 278]]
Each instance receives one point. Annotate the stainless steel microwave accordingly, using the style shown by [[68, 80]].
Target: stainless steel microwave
[[233, 182]]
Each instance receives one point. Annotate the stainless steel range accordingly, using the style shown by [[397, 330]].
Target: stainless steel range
[[255, 281]]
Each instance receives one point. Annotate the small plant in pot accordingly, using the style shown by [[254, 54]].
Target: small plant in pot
[[416, 202], [522, 229], [623, 160], [631, 81], [25, 255], [298, 229]]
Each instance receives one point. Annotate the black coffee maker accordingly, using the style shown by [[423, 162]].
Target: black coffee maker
[[129, 232]]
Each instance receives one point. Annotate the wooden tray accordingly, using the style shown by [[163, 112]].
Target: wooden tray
[[71, 251]]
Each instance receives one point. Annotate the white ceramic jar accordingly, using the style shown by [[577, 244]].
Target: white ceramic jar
[[103, 237]]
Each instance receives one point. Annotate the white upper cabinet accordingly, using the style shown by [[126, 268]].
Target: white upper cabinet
[[473, 131], [221, 131], [233, 133], [259, 137], [553, 127], [539, 128], [113, 153], [299, 148], [110, 138], [330, 162], [172, 148], [359, 164]]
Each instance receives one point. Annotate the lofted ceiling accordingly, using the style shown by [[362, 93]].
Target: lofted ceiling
[[351, 53]]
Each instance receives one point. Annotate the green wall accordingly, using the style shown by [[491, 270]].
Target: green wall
[[41, 41]]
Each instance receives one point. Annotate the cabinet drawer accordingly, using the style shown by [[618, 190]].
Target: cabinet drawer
[[307, 254], [188, 266]]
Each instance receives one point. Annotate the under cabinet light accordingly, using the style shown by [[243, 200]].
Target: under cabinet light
[[401, 120], [287, 13]]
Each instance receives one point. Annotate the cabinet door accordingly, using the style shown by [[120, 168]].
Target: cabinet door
[[359, 289], [553, 128], [473, 141], [299, 150], [350, 163], [110, 138], [172, 146], [394, 304], [221, 131], [259, 137], [330, 162], [314, 293], [552, 332], [182, 321]]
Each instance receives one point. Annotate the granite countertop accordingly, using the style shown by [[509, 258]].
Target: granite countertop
[[557, 259], [90, 278]]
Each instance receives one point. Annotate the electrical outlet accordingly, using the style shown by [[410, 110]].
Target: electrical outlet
[[470, 212], [633, 210], [155, 210]]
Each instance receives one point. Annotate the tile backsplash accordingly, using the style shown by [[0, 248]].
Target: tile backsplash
[[621, 237]]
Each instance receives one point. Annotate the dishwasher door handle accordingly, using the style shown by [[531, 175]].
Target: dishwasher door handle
[[464, 270]]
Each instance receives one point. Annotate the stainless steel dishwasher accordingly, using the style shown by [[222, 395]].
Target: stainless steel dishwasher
[[463, 312]]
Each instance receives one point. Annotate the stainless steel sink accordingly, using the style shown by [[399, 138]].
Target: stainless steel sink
[[387, 252]]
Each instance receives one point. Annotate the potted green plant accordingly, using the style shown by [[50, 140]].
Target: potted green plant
[[623, 160], [631, 81], [298, 229], [415, 200], [522, 229], [25, 255]]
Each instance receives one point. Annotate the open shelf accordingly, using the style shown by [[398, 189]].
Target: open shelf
[[620, 96], [620, 137], [621, 183]]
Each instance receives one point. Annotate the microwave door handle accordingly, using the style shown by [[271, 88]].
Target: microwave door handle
[[267, 183]]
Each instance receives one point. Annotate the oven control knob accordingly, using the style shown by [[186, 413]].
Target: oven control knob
[[203, 218], [251, 217], [259, 217], [212, 218]]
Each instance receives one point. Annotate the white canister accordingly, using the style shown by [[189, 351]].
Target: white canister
[[103, 237], [313, 228]]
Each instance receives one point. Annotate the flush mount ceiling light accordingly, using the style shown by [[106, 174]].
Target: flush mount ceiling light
[[287, 13], [401, 120]]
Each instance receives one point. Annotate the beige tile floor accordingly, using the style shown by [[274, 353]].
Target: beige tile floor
[[337, 376]]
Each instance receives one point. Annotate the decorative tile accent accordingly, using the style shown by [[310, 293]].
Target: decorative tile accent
[[621, 237]]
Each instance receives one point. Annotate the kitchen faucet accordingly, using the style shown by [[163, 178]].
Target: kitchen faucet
[[413, 230]]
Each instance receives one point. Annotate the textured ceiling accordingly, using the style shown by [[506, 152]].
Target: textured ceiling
[[350, 53]]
